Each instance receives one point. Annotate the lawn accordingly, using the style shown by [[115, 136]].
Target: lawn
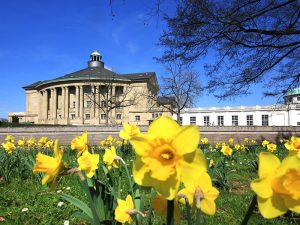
[[24, 200]]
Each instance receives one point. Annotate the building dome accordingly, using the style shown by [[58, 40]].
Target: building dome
[[95, 60], [292, 96]]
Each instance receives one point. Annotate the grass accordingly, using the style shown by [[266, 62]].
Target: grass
[[22, 190]]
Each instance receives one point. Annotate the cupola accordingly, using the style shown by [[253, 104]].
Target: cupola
[[95, 60]]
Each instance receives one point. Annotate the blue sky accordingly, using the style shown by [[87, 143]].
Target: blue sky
[[42, 40]]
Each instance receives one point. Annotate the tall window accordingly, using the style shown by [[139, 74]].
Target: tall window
[[193, 120], [119, 90], [88, 104], [235, 120], [220, 120], [249, 120], [103, 116], [265, 120], [206, 121], [180, 120], [87, 116], [72, 116], [74, 104], [137, 118], [119, 116]]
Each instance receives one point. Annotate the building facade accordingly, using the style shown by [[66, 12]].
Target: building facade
[[94, 95], [287, 114]]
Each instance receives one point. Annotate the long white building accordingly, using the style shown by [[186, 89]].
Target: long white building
[[287, 114]]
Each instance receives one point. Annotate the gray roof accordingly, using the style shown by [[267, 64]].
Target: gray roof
[[94, 73]]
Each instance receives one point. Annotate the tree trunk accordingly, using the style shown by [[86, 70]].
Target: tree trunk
[[178, 117]]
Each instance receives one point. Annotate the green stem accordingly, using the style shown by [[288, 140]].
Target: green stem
[[129, 180], [188, 213], [198, 214], [250, 211], [170, 212]]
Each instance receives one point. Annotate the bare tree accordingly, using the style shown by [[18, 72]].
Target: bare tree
[[111, 95], [254, 41], [180, 87]]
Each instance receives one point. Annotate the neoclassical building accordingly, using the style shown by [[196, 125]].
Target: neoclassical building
[[94, 95]]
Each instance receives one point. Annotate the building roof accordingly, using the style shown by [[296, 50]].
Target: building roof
[[94, 73]]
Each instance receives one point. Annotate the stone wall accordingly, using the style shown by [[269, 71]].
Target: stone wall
[[96, 133]]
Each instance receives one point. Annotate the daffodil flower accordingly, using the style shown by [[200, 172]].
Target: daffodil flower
[[42, 142], [89, 163], [9, 147], [80, 143], [52, 166], [110, 158], [293, 146], [201, 193], [10, 138], [22, 142], [129, 131], [125, 210], [278, 185], [226, 150], [271, 147], [166, 156], [265, 143]]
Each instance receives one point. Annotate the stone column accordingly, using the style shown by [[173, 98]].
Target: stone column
[[63, 101], [81, 101], [97, 110], [54, 109], [93, 100], [51, 103], [45, 104], [77, 102], [67, 102]]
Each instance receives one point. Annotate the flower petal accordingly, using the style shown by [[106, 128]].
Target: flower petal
[[262, 187], [271, 207], [142, 144], [267, 164], [292, 204], [208, 206], [187, 140], [192, 163], [164, 127]]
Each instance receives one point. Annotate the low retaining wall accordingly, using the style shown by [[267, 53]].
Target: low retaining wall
[[96, 133]]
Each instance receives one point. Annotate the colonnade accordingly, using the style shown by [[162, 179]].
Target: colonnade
[[49, 102]]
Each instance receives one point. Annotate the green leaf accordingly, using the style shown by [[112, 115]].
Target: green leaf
[[83, 216], [79, 204]]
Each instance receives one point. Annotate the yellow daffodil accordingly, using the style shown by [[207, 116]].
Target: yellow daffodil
[[217, 145], [42, 142], [80, 143], [201, 193], [253, 142], [271, 147], [166, 156], [226, 150], [22, 142], [204, 140], [231, 141], [159, 205], [129, 131], [31, 142], [9, 147], [10, 138], [49, 144], [110, 158], [88, 162], [246, 140], [243, 148], [293, 145], [125, 210], [278, 185], [52, 166], [211, 163], [237, 146], [265, 143]]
